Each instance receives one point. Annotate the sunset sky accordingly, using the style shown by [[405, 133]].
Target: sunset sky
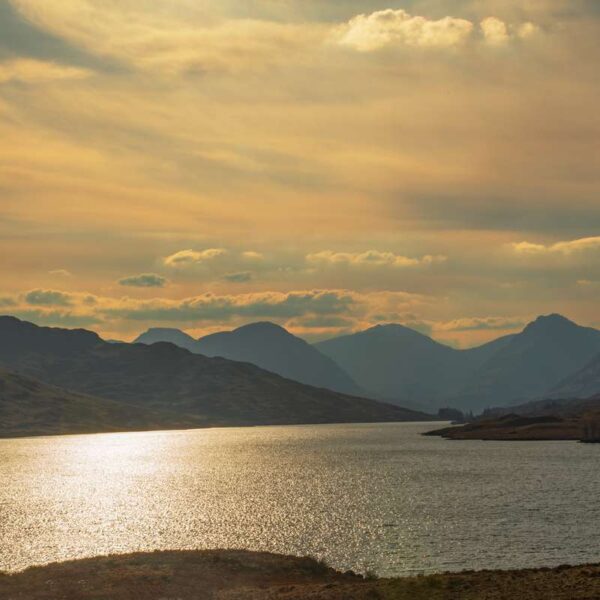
[[325, 164]]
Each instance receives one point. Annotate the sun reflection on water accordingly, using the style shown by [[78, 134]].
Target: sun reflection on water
[[378, 497]]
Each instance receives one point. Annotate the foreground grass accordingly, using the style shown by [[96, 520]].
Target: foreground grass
[[237, 575]]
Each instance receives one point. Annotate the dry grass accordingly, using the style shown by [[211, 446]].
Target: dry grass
[[237, 575]]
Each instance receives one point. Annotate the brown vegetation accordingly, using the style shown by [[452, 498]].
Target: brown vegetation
[[237, 575]]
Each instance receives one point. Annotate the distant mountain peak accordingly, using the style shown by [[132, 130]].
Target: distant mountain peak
[[166, 334], [549, 322], [264, 326]]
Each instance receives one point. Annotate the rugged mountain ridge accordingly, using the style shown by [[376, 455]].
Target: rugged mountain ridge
[[165, 377]]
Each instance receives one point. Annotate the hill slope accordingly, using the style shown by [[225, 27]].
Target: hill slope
[[165, 377], [582, 384], [30, 407], [532, 363], [394, 362], [398, 363], [274, 349]]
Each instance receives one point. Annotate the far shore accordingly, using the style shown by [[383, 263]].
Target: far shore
[[244, 575], [21, 435], [516, 428]]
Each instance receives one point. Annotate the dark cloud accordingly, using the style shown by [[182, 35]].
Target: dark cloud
[[145, 280], [56, 318], [5, 301], [48, 298], [263, 305], [241, 277], [19, 38]]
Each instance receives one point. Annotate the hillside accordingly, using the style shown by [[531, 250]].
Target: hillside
[[164, 377], [243, 575], [274, 349], [267, 346], [396, 363], [531, 364], [29, 407], [582, 384], [400, 364]]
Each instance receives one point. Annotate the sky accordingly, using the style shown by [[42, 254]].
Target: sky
[[326, 165]]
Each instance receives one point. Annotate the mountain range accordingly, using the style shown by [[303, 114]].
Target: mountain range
[[399, 365], [268, 346], [165, 378]]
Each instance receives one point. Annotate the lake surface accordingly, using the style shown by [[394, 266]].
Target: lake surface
[[366, 497]]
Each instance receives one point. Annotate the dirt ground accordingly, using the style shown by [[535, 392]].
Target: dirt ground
[[240, 575]]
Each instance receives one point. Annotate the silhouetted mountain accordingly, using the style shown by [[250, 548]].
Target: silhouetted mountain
[[165, 377], [531, 364], [274, 349], [397, 363], [582, 384], [29, 407], [400, 364], [165, 334]]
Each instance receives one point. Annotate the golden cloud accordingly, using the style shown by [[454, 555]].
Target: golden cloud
[[371, 257], [566, 248], [370, 32], [186, 258], [26, 70]]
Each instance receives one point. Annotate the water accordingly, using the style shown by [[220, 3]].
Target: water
[[366, 497]]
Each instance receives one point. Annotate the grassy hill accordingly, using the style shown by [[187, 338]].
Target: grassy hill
[[30, 407]]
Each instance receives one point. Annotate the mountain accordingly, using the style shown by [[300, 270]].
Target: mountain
[[274, 349], [29, 407], [531, 364], [165, 334], [396, 363], [582, 384], [165, 377], [399, 364]]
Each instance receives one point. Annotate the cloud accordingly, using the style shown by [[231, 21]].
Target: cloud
[[212, 307], [241, 277], [60, 273], [251, 255], [481, 324], [6, 301], [186, 258], [389, 28], [371, 257], [186, 40], [145, 280], [366, 33], [495, 31], [30, 71], [565, 248], [48, 298], [57, 318]]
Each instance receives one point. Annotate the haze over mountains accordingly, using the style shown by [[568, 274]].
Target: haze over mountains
[[398, 364], [165, 378], [268, 346]]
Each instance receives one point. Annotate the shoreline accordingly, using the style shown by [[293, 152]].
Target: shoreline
[[237, 574], [32, 436]]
